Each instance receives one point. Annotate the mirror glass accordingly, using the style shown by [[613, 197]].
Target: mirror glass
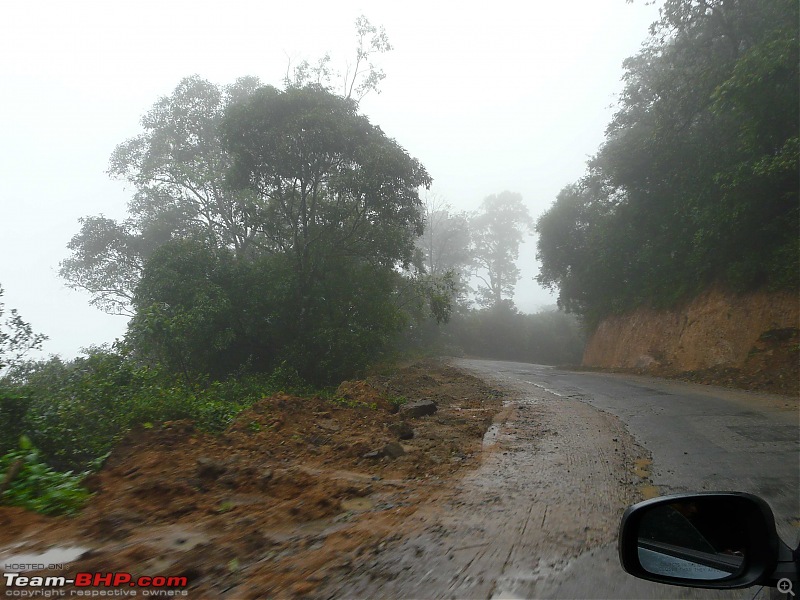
[[699, 538]]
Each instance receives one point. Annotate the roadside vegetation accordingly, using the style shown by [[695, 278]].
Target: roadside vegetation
[[697, 181], [278, 241], [31, 483]]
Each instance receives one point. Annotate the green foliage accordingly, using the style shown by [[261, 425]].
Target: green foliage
[[79, 408], [16, 338], [199, 312], [184, 317], [13, 406], [397, 401], [176, 167], [75, 411], [328, 182], [350, 319], [698, 178], [267, 226], [39, 488]]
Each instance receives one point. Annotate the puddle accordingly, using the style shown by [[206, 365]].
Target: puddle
[[491, 435], [641, 468], [52, 558], [649, 491]]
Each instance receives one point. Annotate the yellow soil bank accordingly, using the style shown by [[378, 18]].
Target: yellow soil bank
[[715, 330]]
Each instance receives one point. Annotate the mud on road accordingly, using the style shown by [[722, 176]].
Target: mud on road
[[496, 491], [554, 478]]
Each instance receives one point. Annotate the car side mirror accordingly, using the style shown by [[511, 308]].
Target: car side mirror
[[709, 540]]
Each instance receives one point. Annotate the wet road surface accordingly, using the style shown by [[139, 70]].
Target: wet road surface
[[539, 517], [700, 438]]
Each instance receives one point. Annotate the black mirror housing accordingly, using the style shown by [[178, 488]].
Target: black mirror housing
[[668, 540]]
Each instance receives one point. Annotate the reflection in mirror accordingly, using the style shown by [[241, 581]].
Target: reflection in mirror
[[700, 538]]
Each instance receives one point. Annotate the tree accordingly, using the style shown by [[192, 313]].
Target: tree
[[445, 243], [325, 179], [497, 232], [336, 197], [16, 338], [445, 260], [360, 77], [177, 168], [697, 180], [267, 225]]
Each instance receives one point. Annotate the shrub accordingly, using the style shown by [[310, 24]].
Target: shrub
[[75, 411], [13, 406], [37, 487]]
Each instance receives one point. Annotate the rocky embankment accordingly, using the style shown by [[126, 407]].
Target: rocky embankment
[[748, 340]]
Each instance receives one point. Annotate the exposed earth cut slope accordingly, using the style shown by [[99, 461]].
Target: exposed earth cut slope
[[748, 340]]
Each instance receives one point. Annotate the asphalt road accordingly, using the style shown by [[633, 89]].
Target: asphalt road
[[701, 438]]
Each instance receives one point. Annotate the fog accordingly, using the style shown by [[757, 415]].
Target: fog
[[516, 98]]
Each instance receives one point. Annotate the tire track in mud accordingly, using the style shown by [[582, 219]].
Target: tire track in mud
[[555, 477]]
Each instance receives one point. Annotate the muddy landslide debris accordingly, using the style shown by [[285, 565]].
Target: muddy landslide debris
[[421, 408], [286, 498]]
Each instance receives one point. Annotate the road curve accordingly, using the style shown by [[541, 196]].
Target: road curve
[[568, 453], [699, 438]]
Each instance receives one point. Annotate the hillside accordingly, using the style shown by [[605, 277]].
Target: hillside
[[742, 340]]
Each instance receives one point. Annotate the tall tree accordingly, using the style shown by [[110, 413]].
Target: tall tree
[[697, 180], [497, 232], [333, 191], [445, 242], [361, 75], [177, 168], [267, 225], [324, 177]]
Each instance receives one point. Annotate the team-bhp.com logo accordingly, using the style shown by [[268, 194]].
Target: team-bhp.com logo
[[93, 585]]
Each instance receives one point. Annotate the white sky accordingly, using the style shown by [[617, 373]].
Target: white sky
[[488, 96]]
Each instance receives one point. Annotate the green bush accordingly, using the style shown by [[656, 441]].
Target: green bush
[[39, 488], [13, 406], [75, 411]]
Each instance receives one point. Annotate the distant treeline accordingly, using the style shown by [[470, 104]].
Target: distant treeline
[[549, 337], [697, 181]]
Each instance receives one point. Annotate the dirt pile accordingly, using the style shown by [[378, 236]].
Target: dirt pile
[[748, 341], [291, 495]]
